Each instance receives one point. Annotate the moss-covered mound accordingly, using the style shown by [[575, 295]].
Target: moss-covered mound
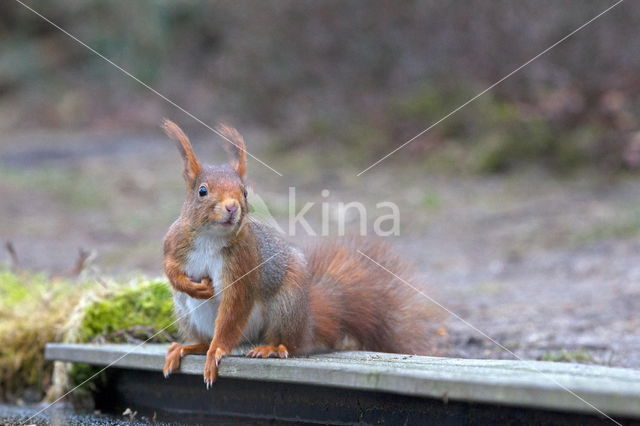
[[35, 310], [141, 311]]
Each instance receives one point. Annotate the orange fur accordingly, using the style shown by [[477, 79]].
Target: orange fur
[[238, 297], [330, 297], [239, 153], [267, 351], [238, 294], [201, 290], [354, 302], [192, 167]]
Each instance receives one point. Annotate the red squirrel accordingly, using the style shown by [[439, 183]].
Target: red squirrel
[[237, 281]]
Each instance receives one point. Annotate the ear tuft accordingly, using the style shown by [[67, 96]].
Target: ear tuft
[[192, 166], [236, 148]]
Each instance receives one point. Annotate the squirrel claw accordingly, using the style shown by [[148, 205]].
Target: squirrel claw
[[214, 355]]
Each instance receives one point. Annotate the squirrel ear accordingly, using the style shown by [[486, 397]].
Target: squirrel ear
[[236, 148], [192, 167]]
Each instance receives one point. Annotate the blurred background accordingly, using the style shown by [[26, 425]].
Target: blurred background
[[522, 210]]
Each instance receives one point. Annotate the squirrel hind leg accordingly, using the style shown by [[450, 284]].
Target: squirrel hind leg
[[268, 351], [175, 353]]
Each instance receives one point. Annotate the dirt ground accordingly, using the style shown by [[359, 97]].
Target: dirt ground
[[546, 266]]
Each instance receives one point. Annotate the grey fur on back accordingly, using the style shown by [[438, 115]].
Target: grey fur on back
[[275, 253]]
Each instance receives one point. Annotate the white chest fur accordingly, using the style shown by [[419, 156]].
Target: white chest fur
[[205, 260]]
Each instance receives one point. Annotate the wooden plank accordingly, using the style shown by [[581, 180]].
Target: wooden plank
[[544, 385]]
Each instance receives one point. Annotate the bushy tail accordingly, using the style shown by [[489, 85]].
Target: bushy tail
[[356, 304]]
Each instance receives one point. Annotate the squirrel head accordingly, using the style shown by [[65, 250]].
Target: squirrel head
[[216, 194]]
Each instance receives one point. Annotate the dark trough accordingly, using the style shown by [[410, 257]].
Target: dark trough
[[362, 387]]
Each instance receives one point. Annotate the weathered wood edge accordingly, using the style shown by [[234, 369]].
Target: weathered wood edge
[[615, 391]]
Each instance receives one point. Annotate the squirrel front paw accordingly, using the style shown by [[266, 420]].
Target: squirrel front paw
[[214, 355], [172, 359], [201, 290]]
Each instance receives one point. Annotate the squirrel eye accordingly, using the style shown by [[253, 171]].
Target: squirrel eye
[[244, 192], [203, 191]]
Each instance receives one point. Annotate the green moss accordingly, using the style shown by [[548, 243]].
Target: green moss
[[141, 312], [147, 306], [35, 309]]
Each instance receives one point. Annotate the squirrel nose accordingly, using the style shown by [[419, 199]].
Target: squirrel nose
[[231, 208]]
